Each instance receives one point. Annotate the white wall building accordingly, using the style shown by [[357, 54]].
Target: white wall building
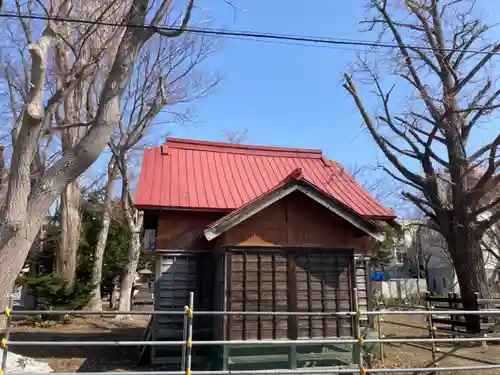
[[401, 266], [425, 249]]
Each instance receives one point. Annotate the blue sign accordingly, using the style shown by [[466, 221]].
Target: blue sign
[[379, 276]]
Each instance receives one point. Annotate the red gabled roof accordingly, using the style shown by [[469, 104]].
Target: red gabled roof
[[220, 176], [295, 175], [295, 181]]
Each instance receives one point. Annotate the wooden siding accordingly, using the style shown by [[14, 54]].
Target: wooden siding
[[303, 280], [178, 278], [183, 229], [362, 277], [324, 284], [296, 220], [258, 283], [220, 321], [179, 275]]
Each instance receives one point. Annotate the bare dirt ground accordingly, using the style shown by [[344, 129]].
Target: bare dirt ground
[[419, 355], [83, 358]]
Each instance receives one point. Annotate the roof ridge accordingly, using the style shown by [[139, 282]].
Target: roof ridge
[[173, 142], [188, 174]]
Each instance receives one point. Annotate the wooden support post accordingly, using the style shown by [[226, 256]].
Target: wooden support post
[[226, 349], [292, 307], [475, 323], [358, 347], [380, 335], [452, 305], [481, 319], [432, 330], [484, 318]]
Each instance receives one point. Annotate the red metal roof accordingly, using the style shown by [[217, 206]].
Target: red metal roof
[[296, 177], [220, 176]]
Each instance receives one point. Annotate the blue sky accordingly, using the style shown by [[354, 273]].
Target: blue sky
[[288, 94], [285, 94]]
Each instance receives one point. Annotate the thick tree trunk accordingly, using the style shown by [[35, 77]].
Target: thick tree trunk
[[467, 256], [24, 210], [5, 301], [468, 260], [70, 222], [25, 205], [12, 257], [129, 273], [28, 297]]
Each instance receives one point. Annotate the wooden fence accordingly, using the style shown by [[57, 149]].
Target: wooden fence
[[457, 325]]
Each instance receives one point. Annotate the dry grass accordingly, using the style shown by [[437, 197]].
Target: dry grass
[[84, 358], [419, 355]]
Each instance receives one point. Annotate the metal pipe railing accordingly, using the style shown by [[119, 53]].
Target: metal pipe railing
[[255, 342], [264, 313], [175, 312], [179, 343], [294, 372], [189, 339], [187, 343]]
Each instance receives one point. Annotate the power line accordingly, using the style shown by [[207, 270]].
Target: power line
[[245, 34]]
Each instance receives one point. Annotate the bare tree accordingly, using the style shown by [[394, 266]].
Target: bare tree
[[25, 202], [440, 57], [95, 302], [378, 185], [235, 137], [166, 78], [69, 111]]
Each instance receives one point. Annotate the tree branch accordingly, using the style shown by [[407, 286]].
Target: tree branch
[[463, 82], [479, 189], [410, 176], [185, 21], [26, 141]]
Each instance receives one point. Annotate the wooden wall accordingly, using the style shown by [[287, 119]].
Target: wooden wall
[[182, 229], [363, 284], [318, 267], [296, 220], [260, 279], [324, 283], [180, 274]]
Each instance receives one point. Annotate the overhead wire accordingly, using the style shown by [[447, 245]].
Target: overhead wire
[[248, 35]]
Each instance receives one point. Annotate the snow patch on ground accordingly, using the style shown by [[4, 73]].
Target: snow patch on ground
[[18, 364]]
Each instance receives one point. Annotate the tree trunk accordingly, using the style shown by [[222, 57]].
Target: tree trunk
[[70, 222], [95, 303], [5, 301], [13, 255], [24, 208], [28, 297], [468, 261], [128, 276]]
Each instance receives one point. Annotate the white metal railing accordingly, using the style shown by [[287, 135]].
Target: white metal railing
[[359, 340]]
